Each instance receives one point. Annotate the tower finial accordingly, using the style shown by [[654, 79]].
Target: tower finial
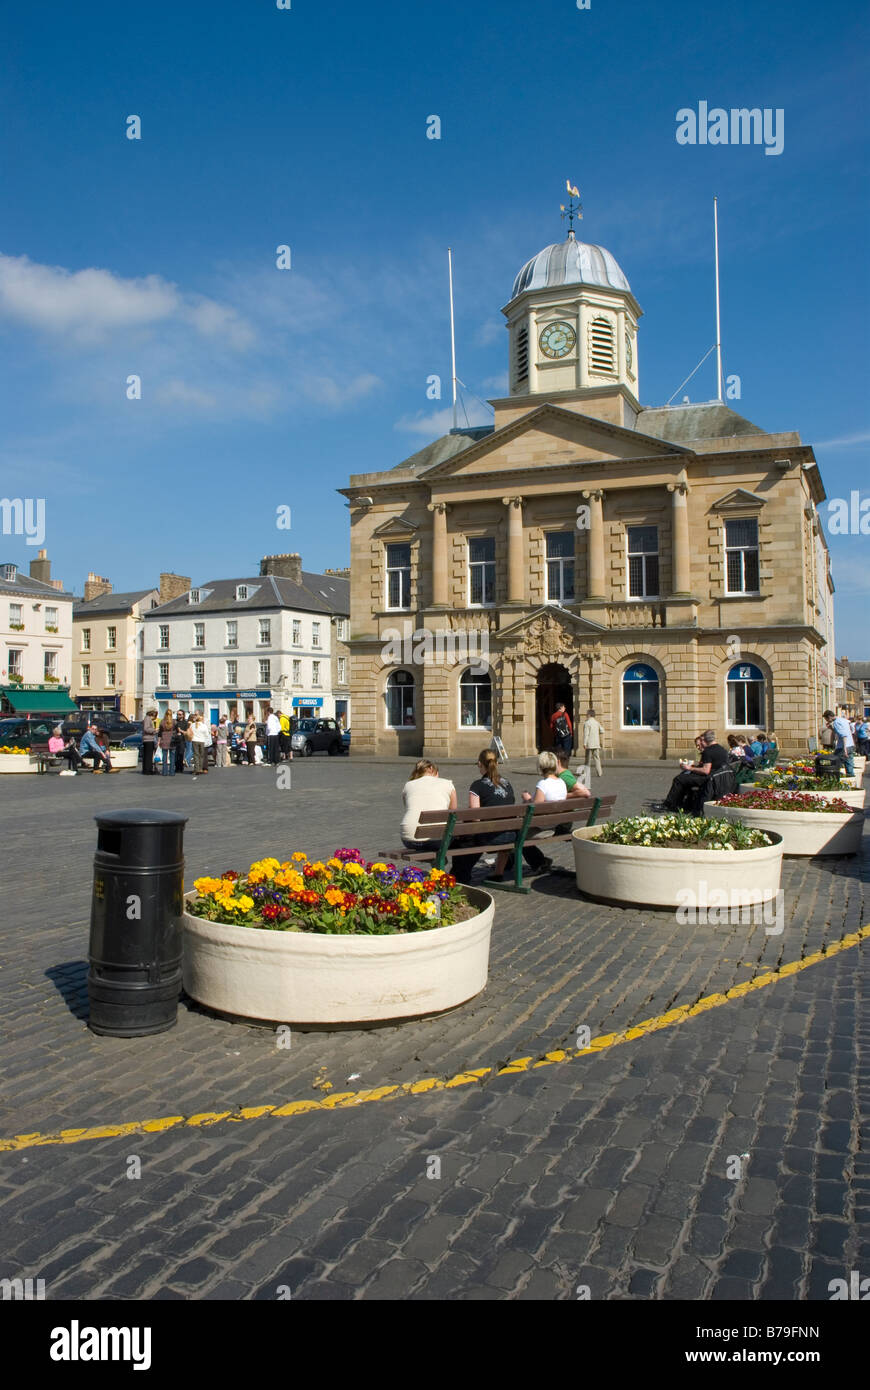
[[573, 209]]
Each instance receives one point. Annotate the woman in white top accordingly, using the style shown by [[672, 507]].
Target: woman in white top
[[425, 791], [549, 788], [201, 740]]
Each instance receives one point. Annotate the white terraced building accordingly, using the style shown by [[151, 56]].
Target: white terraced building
[[241, 646]]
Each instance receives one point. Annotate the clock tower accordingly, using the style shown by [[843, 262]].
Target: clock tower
[[572, 321]]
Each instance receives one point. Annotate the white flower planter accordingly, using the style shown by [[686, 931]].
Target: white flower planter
[[852, 798], [124, 758], [306, 977], [14, 762], [804, 833], [658, 877]]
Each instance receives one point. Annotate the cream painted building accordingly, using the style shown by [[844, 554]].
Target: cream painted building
[[665, 566], [108, 655]]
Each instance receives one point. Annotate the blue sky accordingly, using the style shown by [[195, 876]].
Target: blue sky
[[307, 127]]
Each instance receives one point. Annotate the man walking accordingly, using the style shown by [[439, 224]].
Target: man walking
[[562, 730], [845, 743], [273, 738], [593, 735]]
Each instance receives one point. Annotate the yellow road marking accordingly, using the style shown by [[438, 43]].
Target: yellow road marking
[[345, 1099]]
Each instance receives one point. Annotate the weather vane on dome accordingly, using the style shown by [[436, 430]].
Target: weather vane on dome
[[573, 209]]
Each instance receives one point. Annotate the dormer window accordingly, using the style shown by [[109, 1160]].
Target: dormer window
[[10, 572], [602, 353], [241, 593], [193, 596]]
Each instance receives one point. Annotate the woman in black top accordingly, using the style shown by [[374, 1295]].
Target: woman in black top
[[490, 789]]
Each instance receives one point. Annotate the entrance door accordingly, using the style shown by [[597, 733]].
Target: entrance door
[[553, 688]]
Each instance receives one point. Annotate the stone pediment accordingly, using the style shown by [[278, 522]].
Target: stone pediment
[[549, 435], [396, 526], [740, 500], [549, 633]]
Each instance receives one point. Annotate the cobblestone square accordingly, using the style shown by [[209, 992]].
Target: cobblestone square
[[716, 1155]]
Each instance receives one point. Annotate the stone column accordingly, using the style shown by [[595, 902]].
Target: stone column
[[681, 583], [439, 553], [516, 569], [596, 587]]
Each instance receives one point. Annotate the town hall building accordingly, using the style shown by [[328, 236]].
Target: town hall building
[[665, 566]]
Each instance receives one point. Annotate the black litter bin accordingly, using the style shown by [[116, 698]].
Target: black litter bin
[[136, 923]]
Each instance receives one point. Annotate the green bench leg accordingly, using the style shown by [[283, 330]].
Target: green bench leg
[[517, 886]]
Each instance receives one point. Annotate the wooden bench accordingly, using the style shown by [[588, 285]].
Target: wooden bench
[[45, 759], [520, 819]]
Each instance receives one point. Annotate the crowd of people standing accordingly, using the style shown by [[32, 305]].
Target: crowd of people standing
[[183, 742]]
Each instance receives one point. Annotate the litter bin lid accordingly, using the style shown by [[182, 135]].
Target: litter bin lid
[[141, 817]]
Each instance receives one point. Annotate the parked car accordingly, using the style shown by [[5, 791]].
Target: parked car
[[316, 736], [18, 732], [345, 741], [116, 725]]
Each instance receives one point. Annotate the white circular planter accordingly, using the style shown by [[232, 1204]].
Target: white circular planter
[[308, 977], [14, 762], [124, 758], [654, 876], [804, 833], [852, 798]]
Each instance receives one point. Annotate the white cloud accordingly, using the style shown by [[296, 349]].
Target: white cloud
[[325, 390], [492, 331], [177, 392], [90, 304], [498, 385], [432, 426], [847, 441]]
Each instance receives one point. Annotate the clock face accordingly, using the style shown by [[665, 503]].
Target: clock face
[[557, 339], [629, 356]]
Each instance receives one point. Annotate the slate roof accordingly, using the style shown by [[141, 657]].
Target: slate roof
[[682, 423], [318, 593], [859, 670], [109, 603], [34, 588], [447, 447]]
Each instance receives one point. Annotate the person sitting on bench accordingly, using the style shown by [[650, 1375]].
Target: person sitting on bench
[[490, 789], [90, 748], [424, 791], [693, 777], [59, 749]]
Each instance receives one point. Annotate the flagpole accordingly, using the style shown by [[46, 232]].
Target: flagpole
[[718, 324], [452, 331]]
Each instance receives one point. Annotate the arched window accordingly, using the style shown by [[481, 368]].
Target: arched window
[[401, 712], [745, 697], [640, 698], [602, 352], [475, 700]]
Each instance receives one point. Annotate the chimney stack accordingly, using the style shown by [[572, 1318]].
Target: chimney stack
[[284, 566], [173, 586], [96, 586], [40, 568], [339, 574]]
